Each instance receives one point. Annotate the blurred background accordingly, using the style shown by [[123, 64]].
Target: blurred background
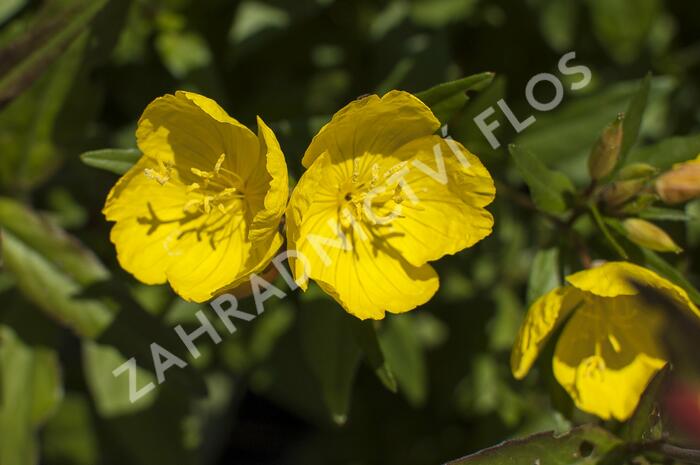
[[302, 383]]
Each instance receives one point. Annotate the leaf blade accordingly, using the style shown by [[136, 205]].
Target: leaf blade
[[547, 187], [117, 161]]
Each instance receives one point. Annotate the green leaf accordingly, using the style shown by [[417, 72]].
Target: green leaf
[[366, 336], [24, 60], [41, 234], [43, 282], [664, 214], [572, 129], [466, 131], [28, 124], [331, 353], [666, 153], [70, 437], [633, 118], [159, 434], [693, 226], [117, 161], [50, 267], [584, 445], [544, 275], [558, 23], [110, 393], [446, 99], [548, 188], [52, 270], [9, 8], [623, 26], [645, 424], [30, 390], [405, 354]]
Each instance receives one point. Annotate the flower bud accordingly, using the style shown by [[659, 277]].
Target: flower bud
[[606, 151], [680, 184], [650, 236], [637, 171], [620, 192]]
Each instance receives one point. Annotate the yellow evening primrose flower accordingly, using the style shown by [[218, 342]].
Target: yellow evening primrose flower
[[610, 346], [202, 206], [381, 197]]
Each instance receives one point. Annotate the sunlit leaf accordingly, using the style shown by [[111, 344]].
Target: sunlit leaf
[[448, 98], [110, 393]]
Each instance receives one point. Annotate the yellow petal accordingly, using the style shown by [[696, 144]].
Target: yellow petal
[[617, 278], [143, 210], [189, 130], [273, 183], [374, 125], [368, 281], [197, 253], [607, 355], [446, 212], [209, 255], [299, 203], [543, 318]]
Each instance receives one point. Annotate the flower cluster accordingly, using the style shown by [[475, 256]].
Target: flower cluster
[[382, 196]]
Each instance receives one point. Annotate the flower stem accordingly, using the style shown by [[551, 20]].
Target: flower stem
[[606, 232]]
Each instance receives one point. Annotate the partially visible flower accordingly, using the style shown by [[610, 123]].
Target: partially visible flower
[[383, 196], [650, 236], [202, 206], [610, 345], [680, 184]]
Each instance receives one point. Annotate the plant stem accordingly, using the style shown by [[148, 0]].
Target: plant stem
[[604, 229], [680, 453]]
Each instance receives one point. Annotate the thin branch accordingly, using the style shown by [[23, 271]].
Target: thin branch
[[680, 453]]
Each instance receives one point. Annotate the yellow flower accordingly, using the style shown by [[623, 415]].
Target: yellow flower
[[609, 348], [202, 206], [382, 196]]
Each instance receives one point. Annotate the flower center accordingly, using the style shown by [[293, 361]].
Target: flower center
[[218, 188], [371, 198]]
